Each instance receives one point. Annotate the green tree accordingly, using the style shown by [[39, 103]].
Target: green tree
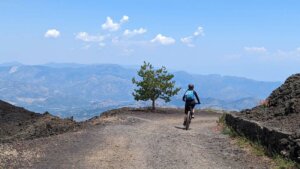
[[154, 84]]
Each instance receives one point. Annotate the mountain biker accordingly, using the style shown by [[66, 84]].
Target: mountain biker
[[190, 97]]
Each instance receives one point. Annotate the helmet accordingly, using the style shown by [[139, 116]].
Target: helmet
[[191, 86]]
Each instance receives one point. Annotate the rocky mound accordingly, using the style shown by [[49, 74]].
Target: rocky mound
[[17, 123], [281, 109]]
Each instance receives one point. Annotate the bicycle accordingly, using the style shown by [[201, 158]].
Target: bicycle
[[188, 118]]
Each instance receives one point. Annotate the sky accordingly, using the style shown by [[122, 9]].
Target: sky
[[257, 39]]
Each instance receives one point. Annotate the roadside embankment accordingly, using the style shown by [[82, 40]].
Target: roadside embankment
[[274, 140], [275, 123]]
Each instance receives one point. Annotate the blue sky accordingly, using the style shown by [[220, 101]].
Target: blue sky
[[255, 39]]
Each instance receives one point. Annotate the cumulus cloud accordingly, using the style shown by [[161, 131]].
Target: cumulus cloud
[[199, 31], [134, 32], [255, 49], [52, 33], [190, 39], [164, 40], [89, 38], [124, 19], [110, 25]]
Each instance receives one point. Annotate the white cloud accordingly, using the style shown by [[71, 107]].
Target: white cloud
[[102, 44], [52, 33], [134, 32], [124, 19], [255, 49], [188, 41], [291, 54], [110, 25], [114, 26], [164, 40], [268, 56], [199, 31], [89, 38]]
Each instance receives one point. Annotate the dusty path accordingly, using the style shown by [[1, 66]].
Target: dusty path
[[134, 140]]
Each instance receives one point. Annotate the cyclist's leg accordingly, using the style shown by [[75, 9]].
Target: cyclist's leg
[[193, 110], [185, 112], [193, 114], [186, 108]]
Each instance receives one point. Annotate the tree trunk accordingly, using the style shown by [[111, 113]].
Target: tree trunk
[[153, 104]]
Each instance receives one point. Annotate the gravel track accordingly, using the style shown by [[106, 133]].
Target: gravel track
[[134, 140]]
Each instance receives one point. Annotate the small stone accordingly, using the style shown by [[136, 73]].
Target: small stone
[[284, 153], [284, 141]]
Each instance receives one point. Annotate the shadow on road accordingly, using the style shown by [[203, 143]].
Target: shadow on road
[[183, 128]]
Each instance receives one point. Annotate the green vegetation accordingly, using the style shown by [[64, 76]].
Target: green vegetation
[[154, 84], [222, 119], [255, 147], [226, 129], [282, 163]]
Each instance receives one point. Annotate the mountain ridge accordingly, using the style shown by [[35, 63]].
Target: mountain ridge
[[75, 89]]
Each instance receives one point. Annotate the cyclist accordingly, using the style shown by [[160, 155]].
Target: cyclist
[[190, 97]]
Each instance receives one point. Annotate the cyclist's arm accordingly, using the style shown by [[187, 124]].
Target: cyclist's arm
[[183, 98], [197, 97]]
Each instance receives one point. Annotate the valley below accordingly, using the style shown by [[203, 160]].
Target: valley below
[[84, 91]]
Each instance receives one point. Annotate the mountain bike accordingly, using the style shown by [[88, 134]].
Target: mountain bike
[[188, 118]]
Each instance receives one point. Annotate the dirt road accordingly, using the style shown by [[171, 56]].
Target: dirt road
[[134, 140]]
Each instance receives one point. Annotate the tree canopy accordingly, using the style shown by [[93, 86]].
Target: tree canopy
[[154, 84]]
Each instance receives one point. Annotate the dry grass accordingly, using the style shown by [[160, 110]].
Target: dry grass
[[255, 148]]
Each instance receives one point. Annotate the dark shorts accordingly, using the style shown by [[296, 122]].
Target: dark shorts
[[189, 104]]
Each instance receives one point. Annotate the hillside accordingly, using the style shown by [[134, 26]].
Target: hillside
[[282, 109], [84, 91], [276, 123], [17, 123]]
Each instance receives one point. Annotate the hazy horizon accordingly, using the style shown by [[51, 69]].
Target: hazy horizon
[[253, 39], [132, 67]]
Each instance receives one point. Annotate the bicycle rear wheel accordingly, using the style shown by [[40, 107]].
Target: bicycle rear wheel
[[187, 120]]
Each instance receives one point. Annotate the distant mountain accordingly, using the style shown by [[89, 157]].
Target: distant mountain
[[226, 87], [85, 90], [11, 64]]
